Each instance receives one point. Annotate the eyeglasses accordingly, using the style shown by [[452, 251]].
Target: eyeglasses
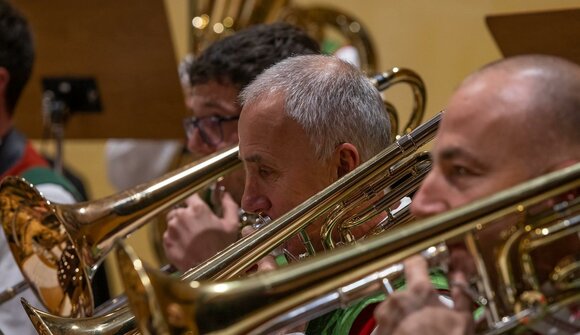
[[210, 127]]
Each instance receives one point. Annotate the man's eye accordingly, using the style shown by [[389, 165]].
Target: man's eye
[[264, 172], [460, 171]]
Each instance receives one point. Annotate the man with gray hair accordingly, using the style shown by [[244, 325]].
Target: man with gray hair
[[306, 122]]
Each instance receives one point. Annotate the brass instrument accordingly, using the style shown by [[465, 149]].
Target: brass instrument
[[401, 75], [58, 247], [214, 19], [236, 258], [316, 20], [524, 242], [406, 175]]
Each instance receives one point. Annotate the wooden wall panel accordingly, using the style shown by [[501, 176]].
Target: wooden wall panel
[[126, 45]]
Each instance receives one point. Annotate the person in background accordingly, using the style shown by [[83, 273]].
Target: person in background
[[196, 232], [18, 157], [509, 122]]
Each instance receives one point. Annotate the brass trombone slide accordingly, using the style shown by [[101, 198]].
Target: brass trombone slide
[[546, 210], [235, 259]]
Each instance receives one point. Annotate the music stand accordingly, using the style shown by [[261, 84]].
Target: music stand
[[551, 32], [125, 46]]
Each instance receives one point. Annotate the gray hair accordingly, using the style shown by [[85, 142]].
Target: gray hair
[[331, 99]]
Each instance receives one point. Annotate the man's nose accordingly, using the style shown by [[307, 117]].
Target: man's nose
[[429, 199], [253, 200]]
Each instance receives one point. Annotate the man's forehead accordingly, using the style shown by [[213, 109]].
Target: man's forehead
[[450, 152], [266, 105], [212, 101]]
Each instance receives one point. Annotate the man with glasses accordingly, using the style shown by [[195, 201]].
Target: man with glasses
[[199, 230], [210, 128]]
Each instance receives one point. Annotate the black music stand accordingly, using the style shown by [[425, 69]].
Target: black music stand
[[551, 32]]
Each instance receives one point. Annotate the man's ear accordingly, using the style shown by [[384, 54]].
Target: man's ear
[[348, 158]]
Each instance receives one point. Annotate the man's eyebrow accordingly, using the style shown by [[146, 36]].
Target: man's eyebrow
[[219, 104], [252, 159], [456, 152]]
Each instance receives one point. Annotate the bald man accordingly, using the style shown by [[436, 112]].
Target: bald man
[[511, 121]]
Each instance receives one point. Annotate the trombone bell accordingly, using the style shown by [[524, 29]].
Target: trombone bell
[[43, 250]]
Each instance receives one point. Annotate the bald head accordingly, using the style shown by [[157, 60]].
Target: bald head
[[509, 122], [540, 96]]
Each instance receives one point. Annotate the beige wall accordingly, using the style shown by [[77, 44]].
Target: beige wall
[[442, 40]]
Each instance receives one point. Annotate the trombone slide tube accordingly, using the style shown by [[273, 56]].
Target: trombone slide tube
[[13, 291], [342, 297]]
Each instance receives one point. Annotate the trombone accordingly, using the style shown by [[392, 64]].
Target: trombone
[[235, 259], [519, 286], [77, 237], [66, 243]]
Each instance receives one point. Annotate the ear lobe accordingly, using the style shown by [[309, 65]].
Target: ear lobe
[[348, 158]]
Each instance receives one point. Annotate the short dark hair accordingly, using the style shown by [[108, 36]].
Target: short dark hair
[[239, 58], [16, 52]]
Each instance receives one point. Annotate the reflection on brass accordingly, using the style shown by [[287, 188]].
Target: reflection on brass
[[42, 250], [300, 292]]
